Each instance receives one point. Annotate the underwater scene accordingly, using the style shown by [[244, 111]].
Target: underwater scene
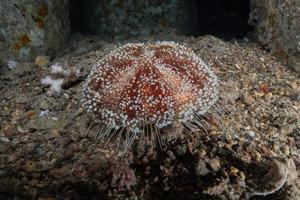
[[150, 99]]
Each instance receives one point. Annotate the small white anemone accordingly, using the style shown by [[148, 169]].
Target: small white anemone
[[55, 84]]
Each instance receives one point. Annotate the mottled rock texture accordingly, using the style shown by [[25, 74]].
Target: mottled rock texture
[[120, 18], [29, 28], [277, 26], [127, 18], [32, 27]]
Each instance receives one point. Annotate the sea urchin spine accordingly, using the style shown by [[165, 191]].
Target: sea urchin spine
[[154, 84]]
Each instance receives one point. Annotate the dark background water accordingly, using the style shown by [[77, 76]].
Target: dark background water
[[226, 19]]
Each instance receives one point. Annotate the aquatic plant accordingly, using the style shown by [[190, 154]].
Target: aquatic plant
[[141, 88]]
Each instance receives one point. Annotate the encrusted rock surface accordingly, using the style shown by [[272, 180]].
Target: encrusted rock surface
[[29, 28], [277, 26]]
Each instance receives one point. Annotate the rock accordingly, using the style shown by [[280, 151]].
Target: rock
[[171, 155], [61, 172], [23, 98], [31, 28], [215, 164], [251, 135], [201, 168], [43, 123], [293, 85], [29, 166], [24, 138], [50, 103], [41, 61], [277, 26]]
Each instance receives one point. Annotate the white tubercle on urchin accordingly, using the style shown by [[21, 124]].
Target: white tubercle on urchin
[[149, 84]]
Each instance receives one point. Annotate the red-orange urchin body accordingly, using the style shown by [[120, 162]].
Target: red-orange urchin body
[[149, 84]]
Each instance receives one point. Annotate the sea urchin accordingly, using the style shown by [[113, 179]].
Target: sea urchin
[[154, 84]]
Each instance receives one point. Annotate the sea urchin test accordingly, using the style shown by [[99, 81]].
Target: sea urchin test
[[149, 84]]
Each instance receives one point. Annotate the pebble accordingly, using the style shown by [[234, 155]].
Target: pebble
[[12, 158], [234, 171], [295, 96], [171, 155], [269, 95], [180, 150], [201, 168], [251, 134], [21, 130], [29, 166], [41, 61], [293, 85], [248, 100], [12, 64], [4, 139], [286, 150], [40, 151], [242, 175], [215, 164], [202, 153], [259, 94], [24, 138], [22, 98], [257, 155], [234, 93]]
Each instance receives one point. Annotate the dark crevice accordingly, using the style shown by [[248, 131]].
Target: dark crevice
[[225, 19]]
